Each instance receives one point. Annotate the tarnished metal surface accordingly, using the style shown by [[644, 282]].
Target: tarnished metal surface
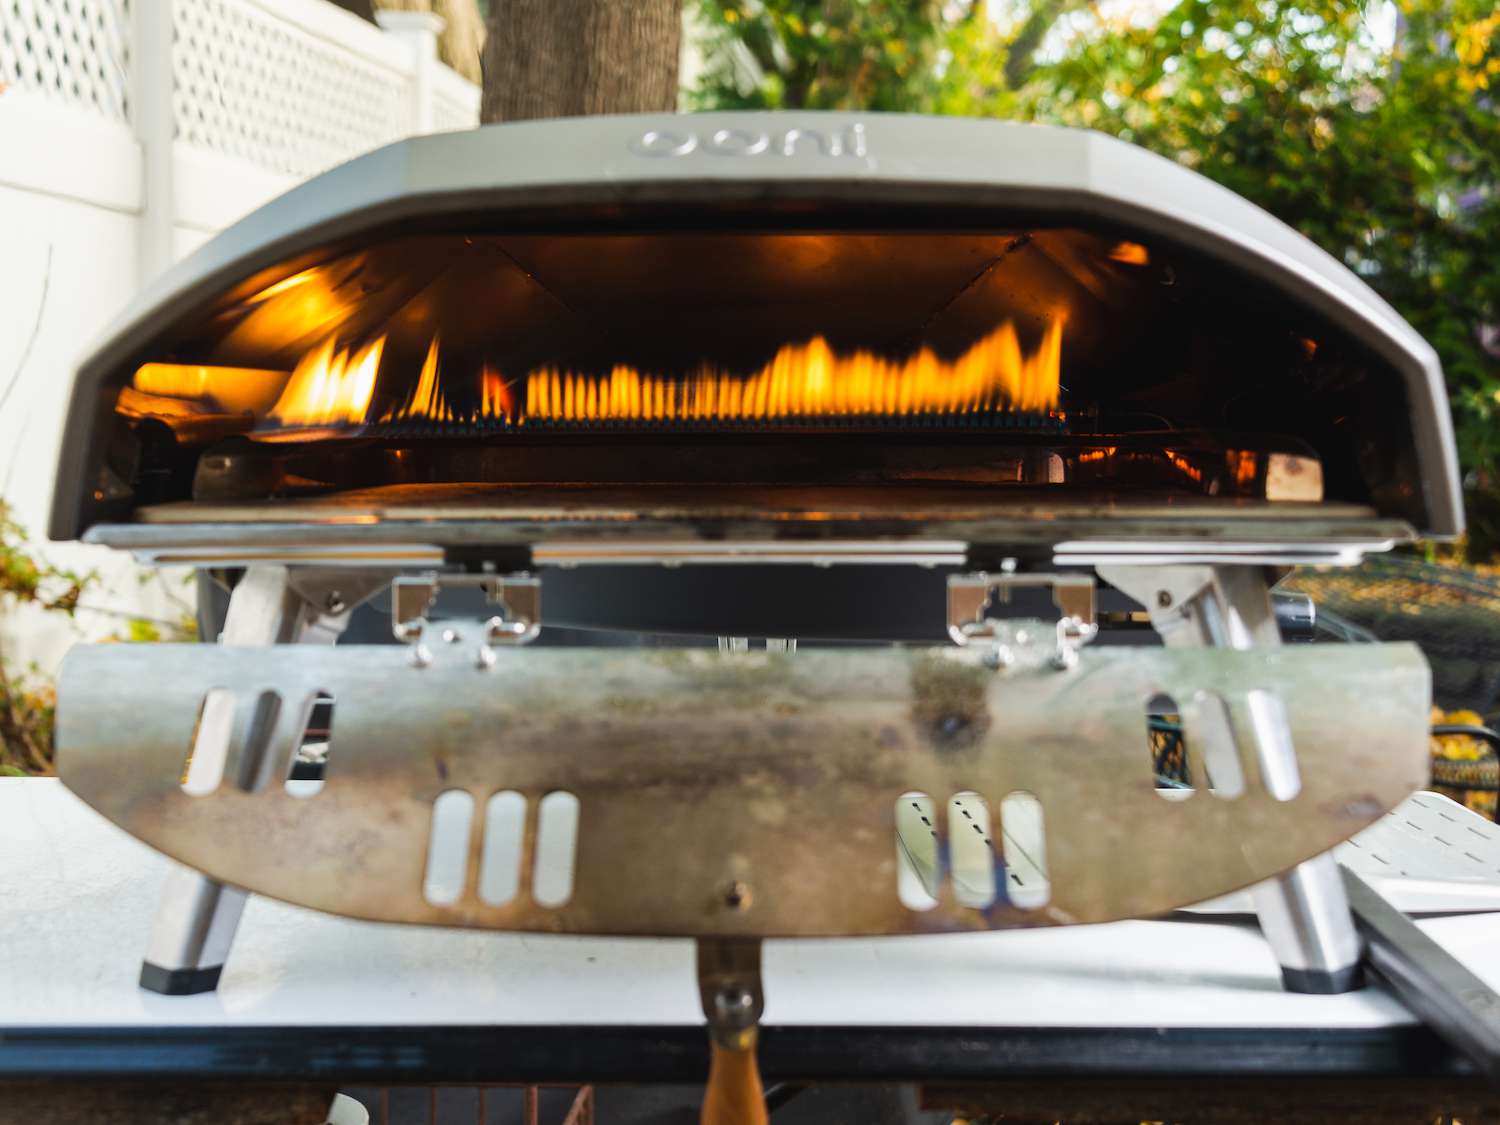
[[746, 795]]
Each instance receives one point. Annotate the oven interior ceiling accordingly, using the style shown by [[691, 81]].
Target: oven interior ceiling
[[491, 368]]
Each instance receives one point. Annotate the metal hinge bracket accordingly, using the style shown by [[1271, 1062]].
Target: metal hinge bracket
[[517, 597], [1023, 641]]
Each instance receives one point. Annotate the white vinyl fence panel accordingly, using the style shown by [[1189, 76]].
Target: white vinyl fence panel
[[130, 131], [69, 51]]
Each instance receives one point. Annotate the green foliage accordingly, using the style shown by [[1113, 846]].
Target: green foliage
[[27, 703], [893, 55], [28, 708], [25, 580], [27, 698], [1389, 158]]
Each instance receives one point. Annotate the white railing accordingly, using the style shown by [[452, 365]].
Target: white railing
[[455, 101], [290, 98], [71, 51], [289, 86], [132, 130]]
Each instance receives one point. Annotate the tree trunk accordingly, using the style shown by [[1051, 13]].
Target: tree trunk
[[564, 58]]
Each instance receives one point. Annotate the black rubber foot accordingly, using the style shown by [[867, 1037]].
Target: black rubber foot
[[179, 982], [1324, 982]]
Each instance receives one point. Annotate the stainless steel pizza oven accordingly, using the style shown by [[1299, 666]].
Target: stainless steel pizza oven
[[751, 363], [776, 329]]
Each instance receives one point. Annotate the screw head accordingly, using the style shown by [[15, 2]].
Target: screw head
[[737, 896], [733, 1004], [1164, 598]]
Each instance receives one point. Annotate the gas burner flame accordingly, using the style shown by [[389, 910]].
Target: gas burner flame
[[812, 381], [426, 401], [335, 384], [330, 386]]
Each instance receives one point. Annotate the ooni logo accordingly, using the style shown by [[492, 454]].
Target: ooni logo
[[793, 141]]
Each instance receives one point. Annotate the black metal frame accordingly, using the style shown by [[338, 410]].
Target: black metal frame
[[571, 1054]]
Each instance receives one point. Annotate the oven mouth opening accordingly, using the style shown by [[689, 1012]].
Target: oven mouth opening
[[880, 370]]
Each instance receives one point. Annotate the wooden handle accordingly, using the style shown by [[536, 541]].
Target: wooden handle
[[734, 1095]]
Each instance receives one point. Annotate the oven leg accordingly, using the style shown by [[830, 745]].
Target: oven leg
[[1305, 912], [197, 917]]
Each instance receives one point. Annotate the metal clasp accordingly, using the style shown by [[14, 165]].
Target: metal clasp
[[1023, 641], [518, 598]]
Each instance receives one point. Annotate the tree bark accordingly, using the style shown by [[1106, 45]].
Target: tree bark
[[565, 58]]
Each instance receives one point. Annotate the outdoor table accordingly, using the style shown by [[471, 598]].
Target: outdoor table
[[310, 998]]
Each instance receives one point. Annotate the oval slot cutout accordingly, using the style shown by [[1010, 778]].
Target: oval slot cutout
[[253, 749], [1023, 834], [917, 851], [1274, 751], [971, 851], [1214, 740], [208, 748], [1167, 743], [309, 765], [500, 858], [556, 849], [448, 847]]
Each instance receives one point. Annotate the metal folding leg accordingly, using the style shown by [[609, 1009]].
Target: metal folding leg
[[1305, 912], [197, 918]]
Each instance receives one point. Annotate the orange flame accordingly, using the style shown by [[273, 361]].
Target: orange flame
[[334, 386], [496, 399], [427, 400], [1183, 465], [1244, 464], [1131, 253], [810, 380], [329, 387]]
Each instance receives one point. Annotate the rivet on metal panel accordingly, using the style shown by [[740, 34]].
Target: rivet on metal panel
[[738, 896]]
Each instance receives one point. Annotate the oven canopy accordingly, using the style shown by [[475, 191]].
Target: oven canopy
[[964, 364]]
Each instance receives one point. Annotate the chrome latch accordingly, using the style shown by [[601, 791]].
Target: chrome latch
[[1023, 642], [518, 598]]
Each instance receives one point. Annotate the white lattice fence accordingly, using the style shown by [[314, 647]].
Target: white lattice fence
[[254, 86], [455, 102], [70, 51]]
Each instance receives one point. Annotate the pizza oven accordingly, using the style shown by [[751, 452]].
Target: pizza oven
[[972, 394], [720, 330]]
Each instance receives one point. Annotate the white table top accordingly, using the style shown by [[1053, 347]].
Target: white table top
[[77, 897]]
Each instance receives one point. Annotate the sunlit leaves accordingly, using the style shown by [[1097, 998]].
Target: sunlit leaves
[[1377, 137]]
